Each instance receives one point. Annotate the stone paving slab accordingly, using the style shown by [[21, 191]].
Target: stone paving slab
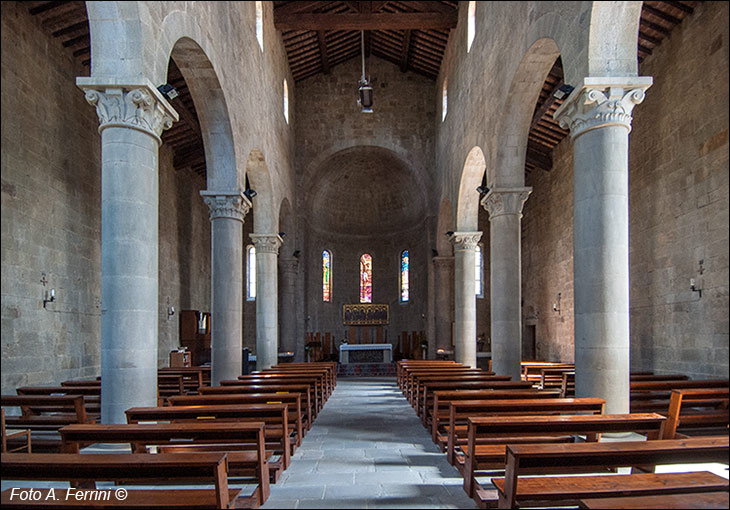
[[368, 449]]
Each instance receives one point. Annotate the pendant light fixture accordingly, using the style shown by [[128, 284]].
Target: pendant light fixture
[[366, 90]]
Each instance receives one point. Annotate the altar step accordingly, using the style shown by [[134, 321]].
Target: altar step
[[366, 369]]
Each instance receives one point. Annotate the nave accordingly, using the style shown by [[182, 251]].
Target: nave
[[368, 449]]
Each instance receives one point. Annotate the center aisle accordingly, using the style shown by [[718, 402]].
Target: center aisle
[[368, 449]]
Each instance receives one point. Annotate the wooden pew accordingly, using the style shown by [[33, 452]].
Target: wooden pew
[[717, 500], [412, 378], [327, 386], [329, 367], [83, 471], [439, 411], [292, 400], [19, 439], [552, 377], [316, 383], [503, 430], [278, 430], [515, 490], [697, 412], [655, 396], [404, 366], [90, 392], [461, 411], [195, 374], [218, 436], [425, 398], [44, 415], [304, 390]]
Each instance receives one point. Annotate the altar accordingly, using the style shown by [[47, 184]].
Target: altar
[[366, 353]]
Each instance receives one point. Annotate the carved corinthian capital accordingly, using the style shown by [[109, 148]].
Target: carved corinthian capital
[[130, 104], [226, 204], [266, 243], [501, 201], [463, 241], [601, 102]]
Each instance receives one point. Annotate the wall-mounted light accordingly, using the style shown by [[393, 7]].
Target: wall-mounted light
[[563, 91], [449, 233], [483, 190], [170, 309], [693, 287], [249, 193], [168, 91], [365, 93], [282, 234], [296, 254], [556, 305], [49, 296]]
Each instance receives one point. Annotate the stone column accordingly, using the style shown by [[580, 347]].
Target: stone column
[[443, 268], [465, 301], [132, 116], [267, 299], [227, 210], [287, 292], [598, 115], [505, 269]]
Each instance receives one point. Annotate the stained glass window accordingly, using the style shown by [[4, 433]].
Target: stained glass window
[[366, 278], [404, 282], [479, 284], [326, 276], [251, 288]]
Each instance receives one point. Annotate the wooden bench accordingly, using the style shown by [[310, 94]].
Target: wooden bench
[[325, 373], [655, 396], [91, 394], [279, 432], [410, 379], [503, 430], [456, 437], [717, 500], [241, 389], [552, 377], [44, 415], [314, 383], [227, 437], [515, 490], [19, 439], [404, 366], [193, 377], [438, 412], [697, 412], [292, 400], [83, 471], [425, 399]]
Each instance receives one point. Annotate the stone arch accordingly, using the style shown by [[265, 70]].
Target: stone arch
[[613, 38], [117, 36], [445, 223], [524, 90], [467, 206], [265, 210], [287, 222]]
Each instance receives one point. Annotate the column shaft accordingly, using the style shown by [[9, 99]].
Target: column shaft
[[287, 293], [267, 299], [444, 300], [465, 305]]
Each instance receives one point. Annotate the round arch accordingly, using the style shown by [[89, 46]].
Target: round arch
[[467, 206], [445, 223], [265, 210]]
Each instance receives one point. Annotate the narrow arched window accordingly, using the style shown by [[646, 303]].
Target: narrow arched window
[[260, 24], [251, 267], [404, 274], [326, 276], [479, 272], [444, 100], [366, 278], [286, 101], [471, 26]]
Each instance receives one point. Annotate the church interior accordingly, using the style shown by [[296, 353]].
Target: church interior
[[264, 229]]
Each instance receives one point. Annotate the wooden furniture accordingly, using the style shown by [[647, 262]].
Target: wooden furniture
[[195, 338], [461, 411], [19, 438], [717, 500], [304, 390], [697, 412], [515, 490], [83, 471], [179, 359], [426, 397], [227, 437], [503, 430]]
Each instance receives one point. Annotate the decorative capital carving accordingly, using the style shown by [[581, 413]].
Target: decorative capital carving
[[465, 240], [266, 243], [501, 201], [226, 204], [133, 105], [602, 102]]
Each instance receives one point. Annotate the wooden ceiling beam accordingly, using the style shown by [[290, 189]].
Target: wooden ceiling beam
[[538, 159], [653, 26], [364, 21], [405, 51], [660, 14], [545, 106], [429, 7], [323, 52], [681, 6], [292, 7]]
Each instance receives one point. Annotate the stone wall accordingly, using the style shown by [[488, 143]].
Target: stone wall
[[51, 190], [678, 214]]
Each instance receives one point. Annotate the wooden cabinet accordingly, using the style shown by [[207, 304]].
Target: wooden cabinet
[[195, 335]]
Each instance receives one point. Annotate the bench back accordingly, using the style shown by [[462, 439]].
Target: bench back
[[45, 412], [697, 408]]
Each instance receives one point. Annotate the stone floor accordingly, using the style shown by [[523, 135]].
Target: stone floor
[[368, 449]]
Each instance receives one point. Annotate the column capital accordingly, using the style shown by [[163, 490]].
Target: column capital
[[502, 201], [266, 243], [226, 204], [602, 101], [465, 241], [131, 103]]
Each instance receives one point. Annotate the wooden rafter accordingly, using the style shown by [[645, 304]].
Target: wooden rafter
[[405, 51], [323, 52], [365, 21]]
